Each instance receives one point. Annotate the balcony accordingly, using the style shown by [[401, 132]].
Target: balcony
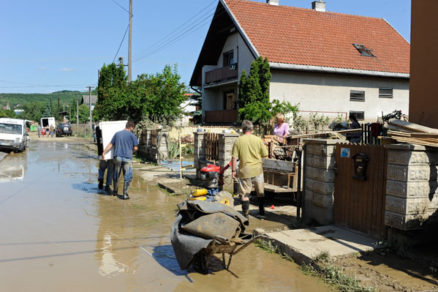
[[221, 74], [221, 117]]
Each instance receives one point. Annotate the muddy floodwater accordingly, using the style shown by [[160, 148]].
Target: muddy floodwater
[[58, 233]]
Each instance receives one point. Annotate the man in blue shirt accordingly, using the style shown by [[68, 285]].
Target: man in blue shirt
[[125, 143]]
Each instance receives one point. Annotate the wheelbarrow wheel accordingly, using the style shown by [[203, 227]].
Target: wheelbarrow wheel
[[200, 263]]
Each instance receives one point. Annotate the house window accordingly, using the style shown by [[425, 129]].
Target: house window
[[360, 116], [385, 92], [228, 58], [357, 95], [364, 51]]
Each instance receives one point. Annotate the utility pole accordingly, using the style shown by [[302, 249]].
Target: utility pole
[[89, 104], [77, 115], [130, 44]]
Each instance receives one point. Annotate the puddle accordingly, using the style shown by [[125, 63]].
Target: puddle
[[61, 234]]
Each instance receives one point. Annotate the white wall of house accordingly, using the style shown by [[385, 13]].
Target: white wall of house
[[242, 54], [326, 93], [213, 96]]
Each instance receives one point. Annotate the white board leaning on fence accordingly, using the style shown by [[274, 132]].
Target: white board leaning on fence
[[108, 131]]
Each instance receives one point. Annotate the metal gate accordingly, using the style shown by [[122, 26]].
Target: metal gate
[[360, 200]]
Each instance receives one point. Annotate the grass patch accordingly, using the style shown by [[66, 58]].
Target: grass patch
[[164, 190], [267, 246], [333, 275]]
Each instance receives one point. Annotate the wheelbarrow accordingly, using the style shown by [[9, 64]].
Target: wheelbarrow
[[222, 246]]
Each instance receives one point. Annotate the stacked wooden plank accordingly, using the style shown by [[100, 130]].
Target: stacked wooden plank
[[406, 132]]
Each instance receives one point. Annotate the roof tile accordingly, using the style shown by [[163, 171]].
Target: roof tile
[[301, 36]]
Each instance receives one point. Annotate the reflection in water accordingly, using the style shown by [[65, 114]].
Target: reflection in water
[[117, 249], [11, 173], [13, 167], [109, 266]]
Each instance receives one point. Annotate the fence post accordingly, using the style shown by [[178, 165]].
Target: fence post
[[199, 151]]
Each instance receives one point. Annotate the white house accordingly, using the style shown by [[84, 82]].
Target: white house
[[328, 63]]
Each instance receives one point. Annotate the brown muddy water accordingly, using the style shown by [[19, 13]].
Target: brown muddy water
[[58, 233]]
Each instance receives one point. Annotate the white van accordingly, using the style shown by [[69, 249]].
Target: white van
[[47, 122], [13, 135]]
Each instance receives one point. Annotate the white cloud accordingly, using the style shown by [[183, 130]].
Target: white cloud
[[67, 70], [42, 68]]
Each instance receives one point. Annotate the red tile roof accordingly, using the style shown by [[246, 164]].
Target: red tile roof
[[300, 36]]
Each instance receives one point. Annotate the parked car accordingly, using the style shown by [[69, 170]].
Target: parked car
[[64, 129], [13, 135]]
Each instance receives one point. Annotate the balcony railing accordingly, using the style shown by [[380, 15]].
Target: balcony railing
[[221, 74], [223, 116]]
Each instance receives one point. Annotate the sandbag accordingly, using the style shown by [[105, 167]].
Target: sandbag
[[212, 226]]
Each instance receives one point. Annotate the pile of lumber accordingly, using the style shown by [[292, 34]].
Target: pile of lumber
[[406, 132]]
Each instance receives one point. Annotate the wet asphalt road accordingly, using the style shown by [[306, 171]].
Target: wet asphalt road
[[58, 233]]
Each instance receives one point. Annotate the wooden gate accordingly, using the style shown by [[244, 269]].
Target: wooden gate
[[360, 204]]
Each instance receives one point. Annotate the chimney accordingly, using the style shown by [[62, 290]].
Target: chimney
[[273, 2], [318, 5]]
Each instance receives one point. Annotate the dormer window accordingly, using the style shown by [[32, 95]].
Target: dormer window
[[364, 51]]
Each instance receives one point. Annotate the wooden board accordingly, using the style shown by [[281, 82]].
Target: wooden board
[[413, 127], [277, 189], [281, 165]]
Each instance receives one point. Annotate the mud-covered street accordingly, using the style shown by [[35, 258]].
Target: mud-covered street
[[58, 233]]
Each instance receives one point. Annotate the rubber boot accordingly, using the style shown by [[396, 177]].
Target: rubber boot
[[245, 208], [261, 206], [125, 191], [100, 184]]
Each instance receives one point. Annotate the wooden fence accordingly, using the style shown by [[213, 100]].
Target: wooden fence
[[370, 134], [211, 144]]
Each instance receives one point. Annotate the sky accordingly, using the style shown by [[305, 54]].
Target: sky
[[53, 45]]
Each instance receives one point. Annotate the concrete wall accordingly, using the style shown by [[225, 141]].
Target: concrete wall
[[424, 63], [412, 186], [331, 92], [155, 152], [319, 180]]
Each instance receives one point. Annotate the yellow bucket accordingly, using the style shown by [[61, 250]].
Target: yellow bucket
[[200, 198], [199, 192]]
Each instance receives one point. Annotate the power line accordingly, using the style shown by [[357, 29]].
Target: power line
[[118, 4], [193, 28], [199, 18], [121, 43]]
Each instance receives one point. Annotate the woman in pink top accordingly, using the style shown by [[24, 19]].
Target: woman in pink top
[[281, 129]]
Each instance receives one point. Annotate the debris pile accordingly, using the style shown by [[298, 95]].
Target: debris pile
[[406, 132]]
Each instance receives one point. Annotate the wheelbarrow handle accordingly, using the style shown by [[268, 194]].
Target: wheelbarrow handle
[[239, 249]]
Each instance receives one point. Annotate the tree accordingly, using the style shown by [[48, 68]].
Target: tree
[[33, 111], [254, 98], [164, 94], [156, 97], [7, 113], [111, 89]]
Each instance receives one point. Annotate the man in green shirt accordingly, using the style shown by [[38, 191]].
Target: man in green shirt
[[250, 150]]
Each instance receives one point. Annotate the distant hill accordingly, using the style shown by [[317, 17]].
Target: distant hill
[[65, 97]]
